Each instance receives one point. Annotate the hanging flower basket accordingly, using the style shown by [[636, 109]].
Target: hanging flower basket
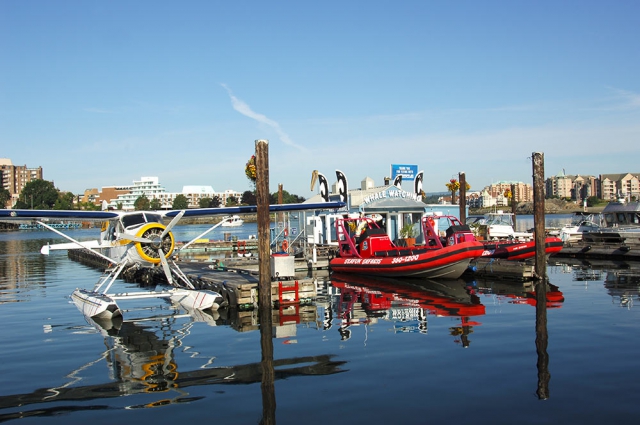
[[250, 169]]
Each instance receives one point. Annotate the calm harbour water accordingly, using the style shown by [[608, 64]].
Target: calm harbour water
[[369, 352]]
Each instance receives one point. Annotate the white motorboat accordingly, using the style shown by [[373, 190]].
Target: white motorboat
[[232, 221], [581, 223], [499, 226]]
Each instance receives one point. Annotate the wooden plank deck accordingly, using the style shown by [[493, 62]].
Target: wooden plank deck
[[239, 286]]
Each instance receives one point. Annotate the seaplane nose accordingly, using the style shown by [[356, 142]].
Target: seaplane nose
[[156, 241]]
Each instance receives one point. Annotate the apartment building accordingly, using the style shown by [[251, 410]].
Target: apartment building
[[608, 187], [15, 177]]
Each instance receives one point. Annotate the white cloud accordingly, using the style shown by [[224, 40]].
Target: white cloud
[[245, 110]]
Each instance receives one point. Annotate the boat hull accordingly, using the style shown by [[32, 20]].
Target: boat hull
[[520, 250], [449, 262], [95, 305]]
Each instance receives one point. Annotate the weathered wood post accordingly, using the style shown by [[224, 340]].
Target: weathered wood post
[[463, 197], [542, 336], [264, 283], [513, 204], [538, 215], [280, 202]]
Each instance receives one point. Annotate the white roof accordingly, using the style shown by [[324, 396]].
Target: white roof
[[198, 189]]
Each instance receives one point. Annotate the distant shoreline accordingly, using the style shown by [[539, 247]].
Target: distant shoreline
[[552, 206]]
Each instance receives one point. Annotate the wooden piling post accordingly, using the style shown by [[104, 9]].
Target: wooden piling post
[[538, 214], [264, 283], [541, 275], [513, 204], [264, 220], [463, 197]]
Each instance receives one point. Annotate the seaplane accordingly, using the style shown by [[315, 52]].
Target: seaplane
[[136, 240]]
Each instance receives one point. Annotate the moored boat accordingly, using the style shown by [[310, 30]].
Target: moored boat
[[500, 240], [621, 224], [365, 248], [581, 223], [233, 221], [520, 250]]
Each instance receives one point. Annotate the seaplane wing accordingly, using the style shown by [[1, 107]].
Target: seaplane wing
[[81, 215], [67, 215]]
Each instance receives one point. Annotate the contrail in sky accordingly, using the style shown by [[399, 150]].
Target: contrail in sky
[[245, 110]]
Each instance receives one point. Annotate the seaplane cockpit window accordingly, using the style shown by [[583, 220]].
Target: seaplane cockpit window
[[153, 218], [133, 220]]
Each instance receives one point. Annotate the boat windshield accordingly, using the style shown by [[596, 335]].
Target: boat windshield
[[499, 220], [476, 219]]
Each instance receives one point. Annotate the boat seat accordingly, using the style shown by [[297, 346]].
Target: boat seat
[[374, 231], [454, 229]]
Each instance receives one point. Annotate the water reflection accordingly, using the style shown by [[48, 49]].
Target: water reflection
[[141, 358], [406, 303], [620, 278], [516, 292]]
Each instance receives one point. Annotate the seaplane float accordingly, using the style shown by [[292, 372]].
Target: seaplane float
[[140, 240]]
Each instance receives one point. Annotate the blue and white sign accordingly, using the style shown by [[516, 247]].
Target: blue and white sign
[[408, 172]]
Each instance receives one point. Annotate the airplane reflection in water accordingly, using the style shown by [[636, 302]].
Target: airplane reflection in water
[[406, 302], [621, 278], [141, 358]]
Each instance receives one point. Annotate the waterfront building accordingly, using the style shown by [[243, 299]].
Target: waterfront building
[[147, 186], [396, 206], [113, 196], [608, 187], [615, 186], [15, 177], [523, 191]]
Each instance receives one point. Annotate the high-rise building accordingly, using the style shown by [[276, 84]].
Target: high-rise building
[[15, 177]]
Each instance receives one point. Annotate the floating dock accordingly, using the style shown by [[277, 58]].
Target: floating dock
[[502, 269], [628, 250]]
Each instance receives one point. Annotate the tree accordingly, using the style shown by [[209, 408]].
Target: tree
[[5, 196], [155, 204], [215, 202], [64, 201], [249, 198], [38, 194], [204, 202], [142, 203], [288, 198], [180, 202], [593, 201], [89, 206], [232, 201]]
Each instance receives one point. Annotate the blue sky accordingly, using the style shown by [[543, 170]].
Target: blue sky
[[103, 93]]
